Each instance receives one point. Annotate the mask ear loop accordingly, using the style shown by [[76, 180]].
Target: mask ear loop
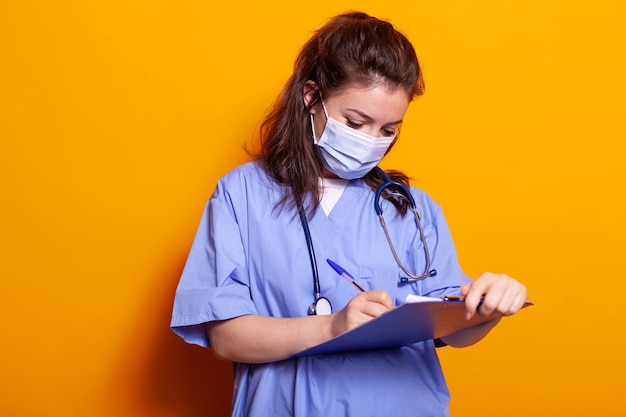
[[323, 105], [313, 129], [315, 140]]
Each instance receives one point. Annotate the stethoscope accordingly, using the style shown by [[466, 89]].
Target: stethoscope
[[321, 305]]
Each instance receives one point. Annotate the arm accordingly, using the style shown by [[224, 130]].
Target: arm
[[260, 339], [501, 295]]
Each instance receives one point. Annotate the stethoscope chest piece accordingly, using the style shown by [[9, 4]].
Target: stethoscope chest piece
[[321, 307]]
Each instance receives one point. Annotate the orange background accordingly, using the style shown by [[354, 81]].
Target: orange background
[[117, 118]]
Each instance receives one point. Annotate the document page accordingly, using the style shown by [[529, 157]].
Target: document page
[[418, 319]]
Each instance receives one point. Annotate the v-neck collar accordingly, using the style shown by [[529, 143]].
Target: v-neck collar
[[332, 190], [326, 228]]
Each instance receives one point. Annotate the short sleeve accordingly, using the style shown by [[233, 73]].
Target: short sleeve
[[214, 284]]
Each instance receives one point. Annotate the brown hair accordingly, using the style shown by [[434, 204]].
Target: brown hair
[[352, 48]]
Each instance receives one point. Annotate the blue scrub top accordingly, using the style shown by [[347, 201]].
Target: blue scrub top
[[249, 258]]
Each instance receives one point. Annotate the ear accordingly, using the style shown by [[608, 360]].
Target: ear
[[309, 93]]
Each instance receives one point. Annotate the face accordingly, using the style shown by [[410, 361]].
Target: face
[[377, 111]]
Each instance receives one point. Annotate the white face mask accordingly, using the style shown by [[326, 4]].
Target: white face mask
[[348, 153]]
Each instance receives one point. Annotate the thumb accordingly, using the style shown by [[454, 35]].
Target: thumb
[[465, 289]]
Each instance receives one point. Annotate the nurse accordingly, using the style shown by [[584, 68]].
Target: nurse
[[247, 286]]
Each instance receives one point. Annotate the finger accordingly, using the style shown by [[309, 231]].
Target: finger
[[497, 298], [474, 295], [354, 313], [518, 303], [464, 289], [506, 296], [367, 305], [373, 309], [512, 298], [381, 297]]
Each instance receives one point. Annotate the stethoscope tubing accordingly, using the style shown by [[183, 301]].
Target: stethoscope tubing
[[405, 193], [321, 305], [309, 243]]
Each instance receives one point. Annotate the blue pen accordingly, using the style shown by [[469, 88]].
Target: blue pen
[[342, 272]]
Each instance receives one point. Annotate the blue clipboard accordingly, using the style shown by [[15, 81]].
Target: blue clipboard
[[404, 325]]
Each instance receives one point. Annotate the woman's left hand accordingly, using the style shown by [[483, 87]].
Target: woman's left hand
[[501, 294]]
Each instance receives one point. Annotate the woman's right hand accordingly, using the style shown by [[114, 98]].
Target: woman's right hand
[[261, 339], [360, 309]]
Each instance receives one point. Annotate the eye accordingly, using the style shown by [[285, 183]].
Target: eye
[[389, 132], [353, 124]]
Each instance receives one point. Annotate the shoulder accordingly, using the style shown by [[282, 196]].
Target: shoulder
[[249, 170], [249, 174], [248, 181], [425, 201]]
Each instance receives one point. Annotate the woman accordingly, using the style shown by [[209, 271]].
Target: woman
[[247, 291]]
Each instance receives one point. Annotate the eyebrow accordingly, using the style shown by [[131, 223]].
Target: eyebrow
[[369, 119]]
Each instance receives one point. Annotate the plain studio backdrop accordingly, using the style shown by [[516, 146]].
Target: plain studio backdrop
[[118, 117]]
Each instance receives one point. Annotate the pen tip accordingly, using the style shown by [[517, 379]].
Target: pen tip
[[336, 267]]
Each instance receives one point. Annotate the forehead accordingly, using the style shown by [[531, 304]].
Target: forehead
[[378, 101]]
